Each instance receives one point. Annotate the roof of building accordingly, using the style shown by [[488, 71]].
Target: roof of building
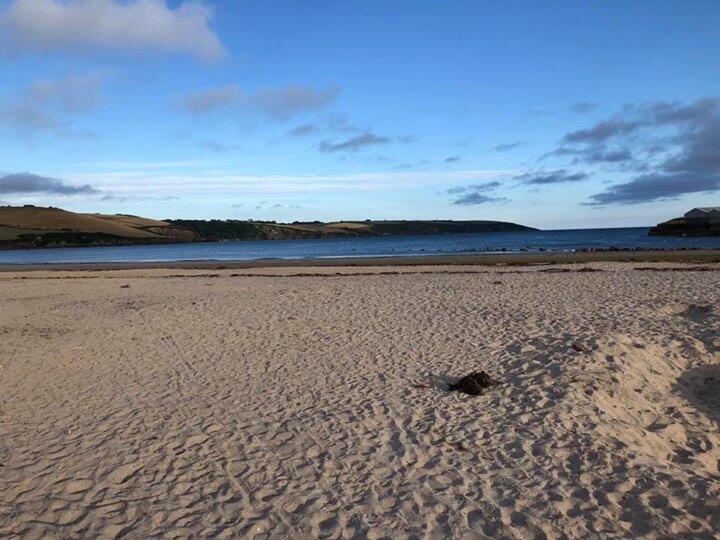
[[708, 209]]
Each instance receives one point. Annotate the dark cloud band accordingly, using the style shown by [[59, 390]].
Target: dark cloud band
[[28, 183]]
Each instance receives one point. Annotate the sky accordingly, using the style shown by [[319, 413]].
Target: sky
[[556, 114]]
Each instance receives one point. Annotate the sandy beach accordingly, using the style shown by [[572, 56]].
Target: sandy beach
[[312, 402]]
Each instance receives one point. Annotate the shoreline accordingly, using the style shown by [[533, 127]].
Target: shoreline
[[504, 259]]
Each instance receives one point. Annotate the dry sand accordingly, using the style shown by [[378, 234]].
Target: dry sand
[[209, 404]]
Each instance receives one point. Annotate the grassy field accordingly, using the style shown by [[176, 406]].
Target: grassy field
[[31, 226]]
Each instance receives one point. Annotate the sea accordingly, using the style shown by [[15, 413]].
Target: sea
[[381, 246]]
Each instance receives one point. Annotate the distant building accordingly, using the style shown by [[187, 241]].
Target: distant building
[[697, 222], [709, 214]]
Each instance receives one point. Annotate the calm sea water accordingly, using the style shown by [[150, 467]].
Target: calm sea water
[[567, 240]]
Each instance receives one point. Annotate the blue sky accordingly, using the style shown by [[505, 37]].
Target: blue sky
[[552, 114]]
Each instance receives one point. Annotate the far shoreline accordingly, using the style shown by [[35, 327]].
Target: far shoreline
[[704, 256]]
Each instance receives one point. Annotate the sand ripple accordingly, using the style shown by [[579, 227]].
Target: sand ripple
[[313, 406]]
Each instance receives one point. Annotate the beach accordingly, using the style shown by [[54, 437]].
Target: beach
[[288, 400]]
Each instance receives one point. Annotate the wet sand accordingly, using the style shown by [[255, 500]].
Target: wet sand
[[500, 259], [312, 401]]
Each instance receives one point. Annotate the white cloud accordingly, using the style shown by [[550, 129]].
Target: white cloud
[[157, 182], [48, 25]]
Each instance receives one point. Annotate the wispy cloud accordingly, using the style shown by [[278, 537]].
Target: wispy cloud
[[560, 176], [141, 165], [80, 25], [156, 181], [73, 94], [476, 198], [593, 154], [332, 125], [269, 205], [582, 107], [304, 130], [407, 139], [354, 143], [212, 99], [505, 147], [340, 124], [538, 112], [285, 103], [476, 194], [51, 104], [602, 131], [277, 104], [132, 198], [217, 146]]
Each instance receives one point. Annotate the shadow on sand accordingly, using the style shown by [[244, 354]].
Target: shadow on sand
[[701, 387]]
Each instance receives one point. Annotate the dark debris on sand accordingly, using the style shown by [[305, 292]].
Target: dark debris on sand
[[474, 383], [579, 346]]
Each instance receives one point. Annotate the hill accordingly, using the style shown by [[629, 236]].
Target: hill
[[33, 227], [263, 230]]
